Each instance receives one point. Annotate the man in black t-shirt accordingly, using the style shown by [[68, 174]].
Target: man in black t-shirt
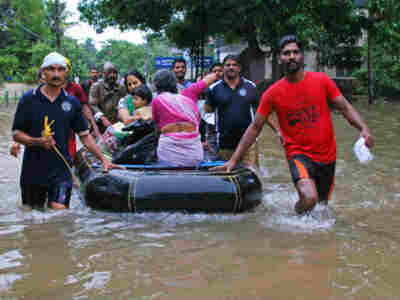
[[233, 99], [44, 174]]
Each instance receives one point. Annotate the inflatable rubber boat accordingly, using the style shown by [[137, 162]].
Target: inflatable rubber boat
[[145, 186]]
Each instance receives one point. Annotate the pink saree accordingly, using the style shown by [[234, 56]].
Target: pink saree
[[178, 148]]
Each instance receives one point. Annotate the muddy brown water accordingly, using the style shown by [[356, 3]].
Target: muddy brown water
[[348, 251]]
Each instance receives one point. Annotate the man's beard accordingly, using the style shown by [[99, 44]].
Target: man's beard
[[180, 77], [293, 66], [111, 80], [94, 78], [231, 75]]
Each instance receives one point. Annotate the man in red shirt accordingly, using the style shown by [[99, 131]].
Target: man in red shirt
[[301, 101]]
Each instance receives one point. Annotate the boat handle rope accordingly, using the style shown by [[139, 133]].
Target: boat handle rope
[[129, 196], [132, 208], [239, 193], [232, 179]]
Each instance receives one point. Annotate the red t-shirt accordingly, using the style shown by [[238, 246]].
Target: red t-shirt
[[304, 115], [75, 90]]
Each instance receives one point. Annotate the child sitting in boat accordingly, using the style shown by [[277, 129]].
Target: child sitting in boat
[[142, 97], [113, 135]]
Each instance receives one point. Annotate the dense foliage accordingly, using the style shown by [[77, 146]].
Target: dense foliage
[[383, 27], [30, 29], [332, 28], [259, 23]]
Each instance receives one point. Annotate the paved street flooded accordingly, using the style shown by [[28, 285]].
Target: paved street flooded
[[348, 250]]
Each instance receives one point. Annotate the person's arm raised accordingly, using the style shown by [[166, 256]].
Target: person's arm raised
[[210, 79], [193, 91]]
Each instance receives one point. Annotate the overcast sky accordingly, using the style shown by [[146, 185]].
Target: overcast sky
[[82, 31]]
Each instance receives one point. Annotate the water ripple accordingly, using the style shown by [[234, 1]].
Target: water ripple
[[10, 259], [7, 280], [11, 229]]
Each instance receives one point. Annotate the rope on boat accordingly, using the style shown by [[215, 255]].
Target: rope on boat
[[231, 178], [134, 192], [201, 165], [129, 196], [238, 193]]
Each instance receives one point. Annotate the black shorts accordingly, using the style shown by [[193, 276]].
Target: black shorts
[[35, 195], [323, 175]]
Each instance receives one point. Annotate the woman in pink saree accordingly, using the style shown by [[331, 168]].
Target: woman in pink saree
[[178, 119]]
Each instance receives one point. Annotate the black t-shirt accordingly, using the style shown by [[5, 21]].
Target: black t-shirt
[[234, 108], [40, 165]]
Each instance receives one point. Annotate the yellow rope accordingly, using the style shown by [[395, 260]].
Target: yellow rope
[[46, 132], [77, 183]]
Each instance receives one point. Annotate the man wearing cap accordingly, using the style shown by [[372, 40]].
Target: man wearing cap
[[104, 97], [44, 174]]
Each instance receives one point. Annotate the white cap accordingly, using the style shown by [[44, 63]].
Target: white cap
[[54, 58]]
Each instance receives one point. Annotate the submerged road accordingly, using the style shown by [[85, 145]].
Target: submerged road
[[348, 251]]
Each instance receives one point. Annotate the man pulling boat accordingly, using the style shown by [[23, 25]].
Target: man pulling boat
[[44, 174]]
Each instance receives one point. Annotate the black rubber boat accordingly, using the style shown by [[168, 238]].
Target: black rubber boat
[[145, 187]]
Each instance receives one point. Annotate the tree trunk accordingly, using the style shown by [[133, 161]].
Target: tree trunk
[[251, 54], [370, 83]]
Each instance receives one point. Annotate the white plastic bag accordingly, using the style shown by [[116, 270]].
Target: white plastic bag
[[361, 151]]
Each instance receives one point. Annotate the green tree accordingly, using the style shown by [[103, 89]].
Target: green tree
[[78, 56], [21, 31], [8, 63], [57, 15], [91, 51], [257, 22], [382, 72]]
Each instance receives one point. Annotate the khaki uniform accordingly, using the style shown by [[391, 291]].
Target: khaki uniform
[[250, 158], [104, 98]]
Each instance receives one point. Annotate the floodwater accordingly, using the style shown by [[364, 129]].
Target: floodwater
[[349, 250]]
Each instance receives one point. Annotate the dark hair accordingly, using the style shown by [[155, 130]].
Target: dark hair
[[39, 74], [143, 92], [232, 57], [165, 81], [287, 39], [217, 64], [178, 59], [135, 73]]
